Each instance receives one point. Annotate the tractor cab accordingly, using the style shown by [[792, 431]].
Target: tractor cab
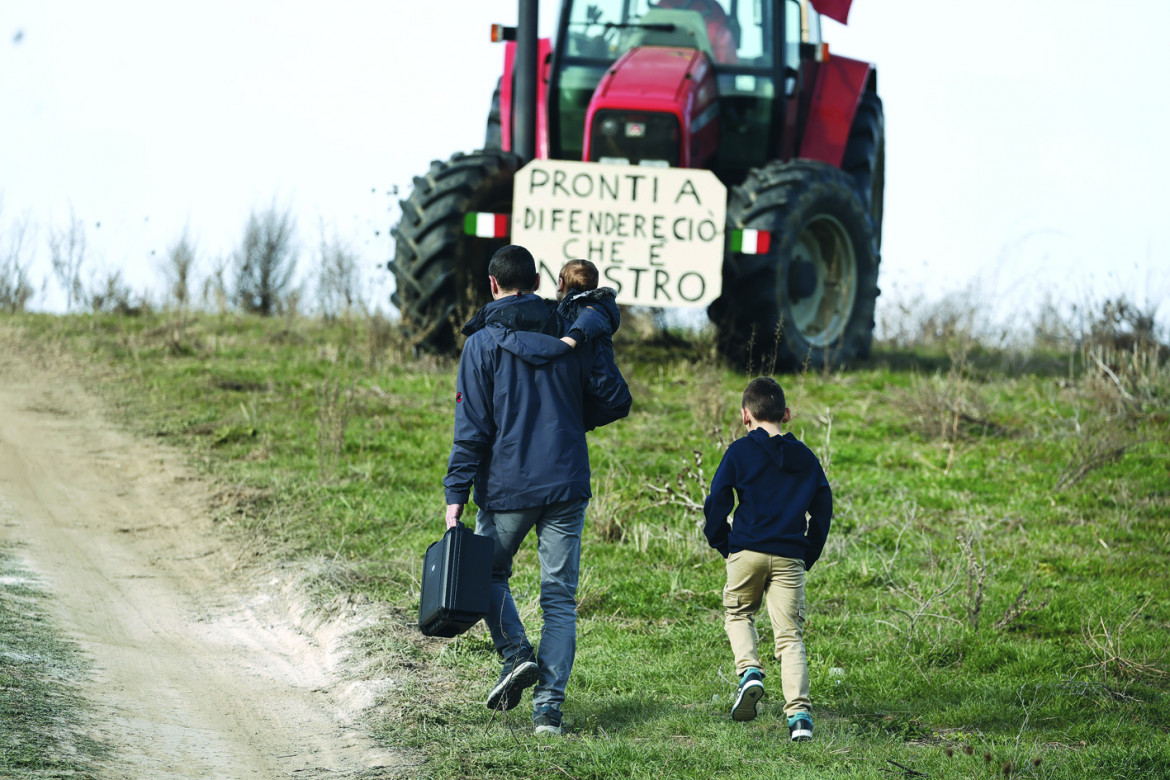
[[701, 153], [686, 83]]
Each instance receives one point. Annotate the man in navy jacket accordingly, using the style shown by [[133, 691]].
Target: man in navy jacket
[[520, 440]]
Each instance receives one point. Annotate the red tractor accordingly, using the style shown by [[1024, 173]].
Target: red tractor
[[703, 153]]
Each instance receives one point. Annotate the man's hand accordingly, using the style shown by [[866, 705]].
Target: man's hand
[[454, 512], [572, 342]]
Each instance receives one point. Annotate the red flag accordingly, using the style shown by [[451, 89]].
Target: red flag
[[834, 9]]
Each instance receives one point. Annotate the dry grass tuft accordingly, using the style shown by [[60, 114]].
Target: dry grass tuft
[[1106, 639]]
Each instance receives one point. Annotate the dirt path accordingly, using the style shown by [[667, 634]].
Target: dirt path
[[198, 671]]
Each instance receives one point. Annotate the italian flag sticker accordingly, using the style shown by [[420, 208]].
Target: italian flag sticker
[[485, 225], [751, 242]]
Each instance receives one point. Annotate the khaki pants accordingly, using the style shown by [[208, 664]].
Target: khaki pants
[[751, 575]]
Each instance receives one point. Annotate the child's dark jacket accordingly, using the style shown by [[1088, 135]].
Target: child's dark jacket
[[577, 303], [777, 479], [593, 316]]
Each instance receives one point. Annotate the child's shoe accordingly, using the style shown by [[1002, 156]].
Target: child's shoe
[[800, 727], [751, 690]]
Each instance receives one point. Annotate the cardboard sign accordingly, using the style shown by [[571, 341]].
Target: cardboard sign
[[655, 234]]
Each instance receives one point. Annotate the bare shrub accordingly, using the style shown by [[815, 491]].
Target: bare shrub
[[639, 322], [1022, 605], [265, 262], [1115, 324], [971, 545], [334, 405], [382, 337], [1113, 661], [688, 488], [708, 403], [1126, 381], [339, 281], [15, 287], [67, 253], [215, 287], [915, 323], [1123, 325], [1119, 394], [1051, 327], [180, 264], [111, 295], [769, 351], [1097, 445], [686, 492], [607, 510], [948, 407]]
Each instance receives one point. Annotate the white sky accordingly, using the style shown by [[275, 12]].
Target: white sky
[[1025, 154]]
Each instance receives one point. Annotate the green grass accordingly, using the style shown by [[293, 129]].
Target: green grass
[[994, 581], [41, 712]]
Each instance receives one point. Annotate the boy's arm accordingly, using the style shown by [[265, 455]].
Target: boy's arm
[[820, 518], [717, 508], [474, 426], [590, 325], [595, 315]]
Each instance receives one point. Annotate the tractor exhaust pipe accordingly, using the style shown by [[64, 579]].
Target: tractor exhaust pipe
[[524, 94]]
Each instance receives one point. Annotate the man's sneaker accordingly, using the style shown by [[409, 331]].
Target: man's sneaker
[[547, 721], [519, 672], [800, 727], [751, 690]]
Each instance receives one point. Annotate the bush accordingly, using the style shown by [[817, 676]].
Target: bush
[[15, 288], [339, 280], [266, 262]]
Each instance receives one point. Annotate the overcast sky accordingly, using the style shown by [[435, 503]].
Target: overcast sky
[[1026, 151]]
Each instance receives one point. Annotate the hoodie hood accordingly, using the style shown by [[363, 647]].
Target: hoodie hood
[[525, 325], [533, 348], [602, 299], [527, 312], [786, 451]]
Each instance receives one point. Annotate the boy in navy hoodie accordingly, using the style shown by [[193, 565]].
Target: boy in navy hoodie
[[780, 526]]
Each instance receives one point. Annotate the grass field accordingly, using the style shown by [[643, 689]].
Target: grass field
[[992, 600], [42, 717]]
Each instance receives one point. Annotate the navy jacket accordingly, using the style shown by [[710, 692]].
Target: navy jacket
[[520, 394], [777, 480]]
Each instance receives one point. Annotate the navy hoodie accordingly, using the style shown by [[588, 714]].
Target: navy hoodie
[[520, 393], [777, 480]]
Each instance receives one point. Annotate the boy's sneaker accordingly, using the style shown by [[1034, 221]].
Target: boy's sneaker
[[547, 720], [751, 690], [800, 727], [519, 672]]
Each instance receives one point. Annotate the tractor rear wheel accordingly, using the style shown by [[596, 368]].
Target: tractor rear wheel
[[865, 157], [809, 300], [441, 273]]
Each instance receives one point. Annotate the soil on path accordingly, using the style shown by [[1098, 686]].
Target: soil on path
[[199, 670]]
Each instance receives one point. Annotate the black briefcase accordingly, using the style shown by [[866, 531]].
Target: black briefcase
[[456, 582]]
